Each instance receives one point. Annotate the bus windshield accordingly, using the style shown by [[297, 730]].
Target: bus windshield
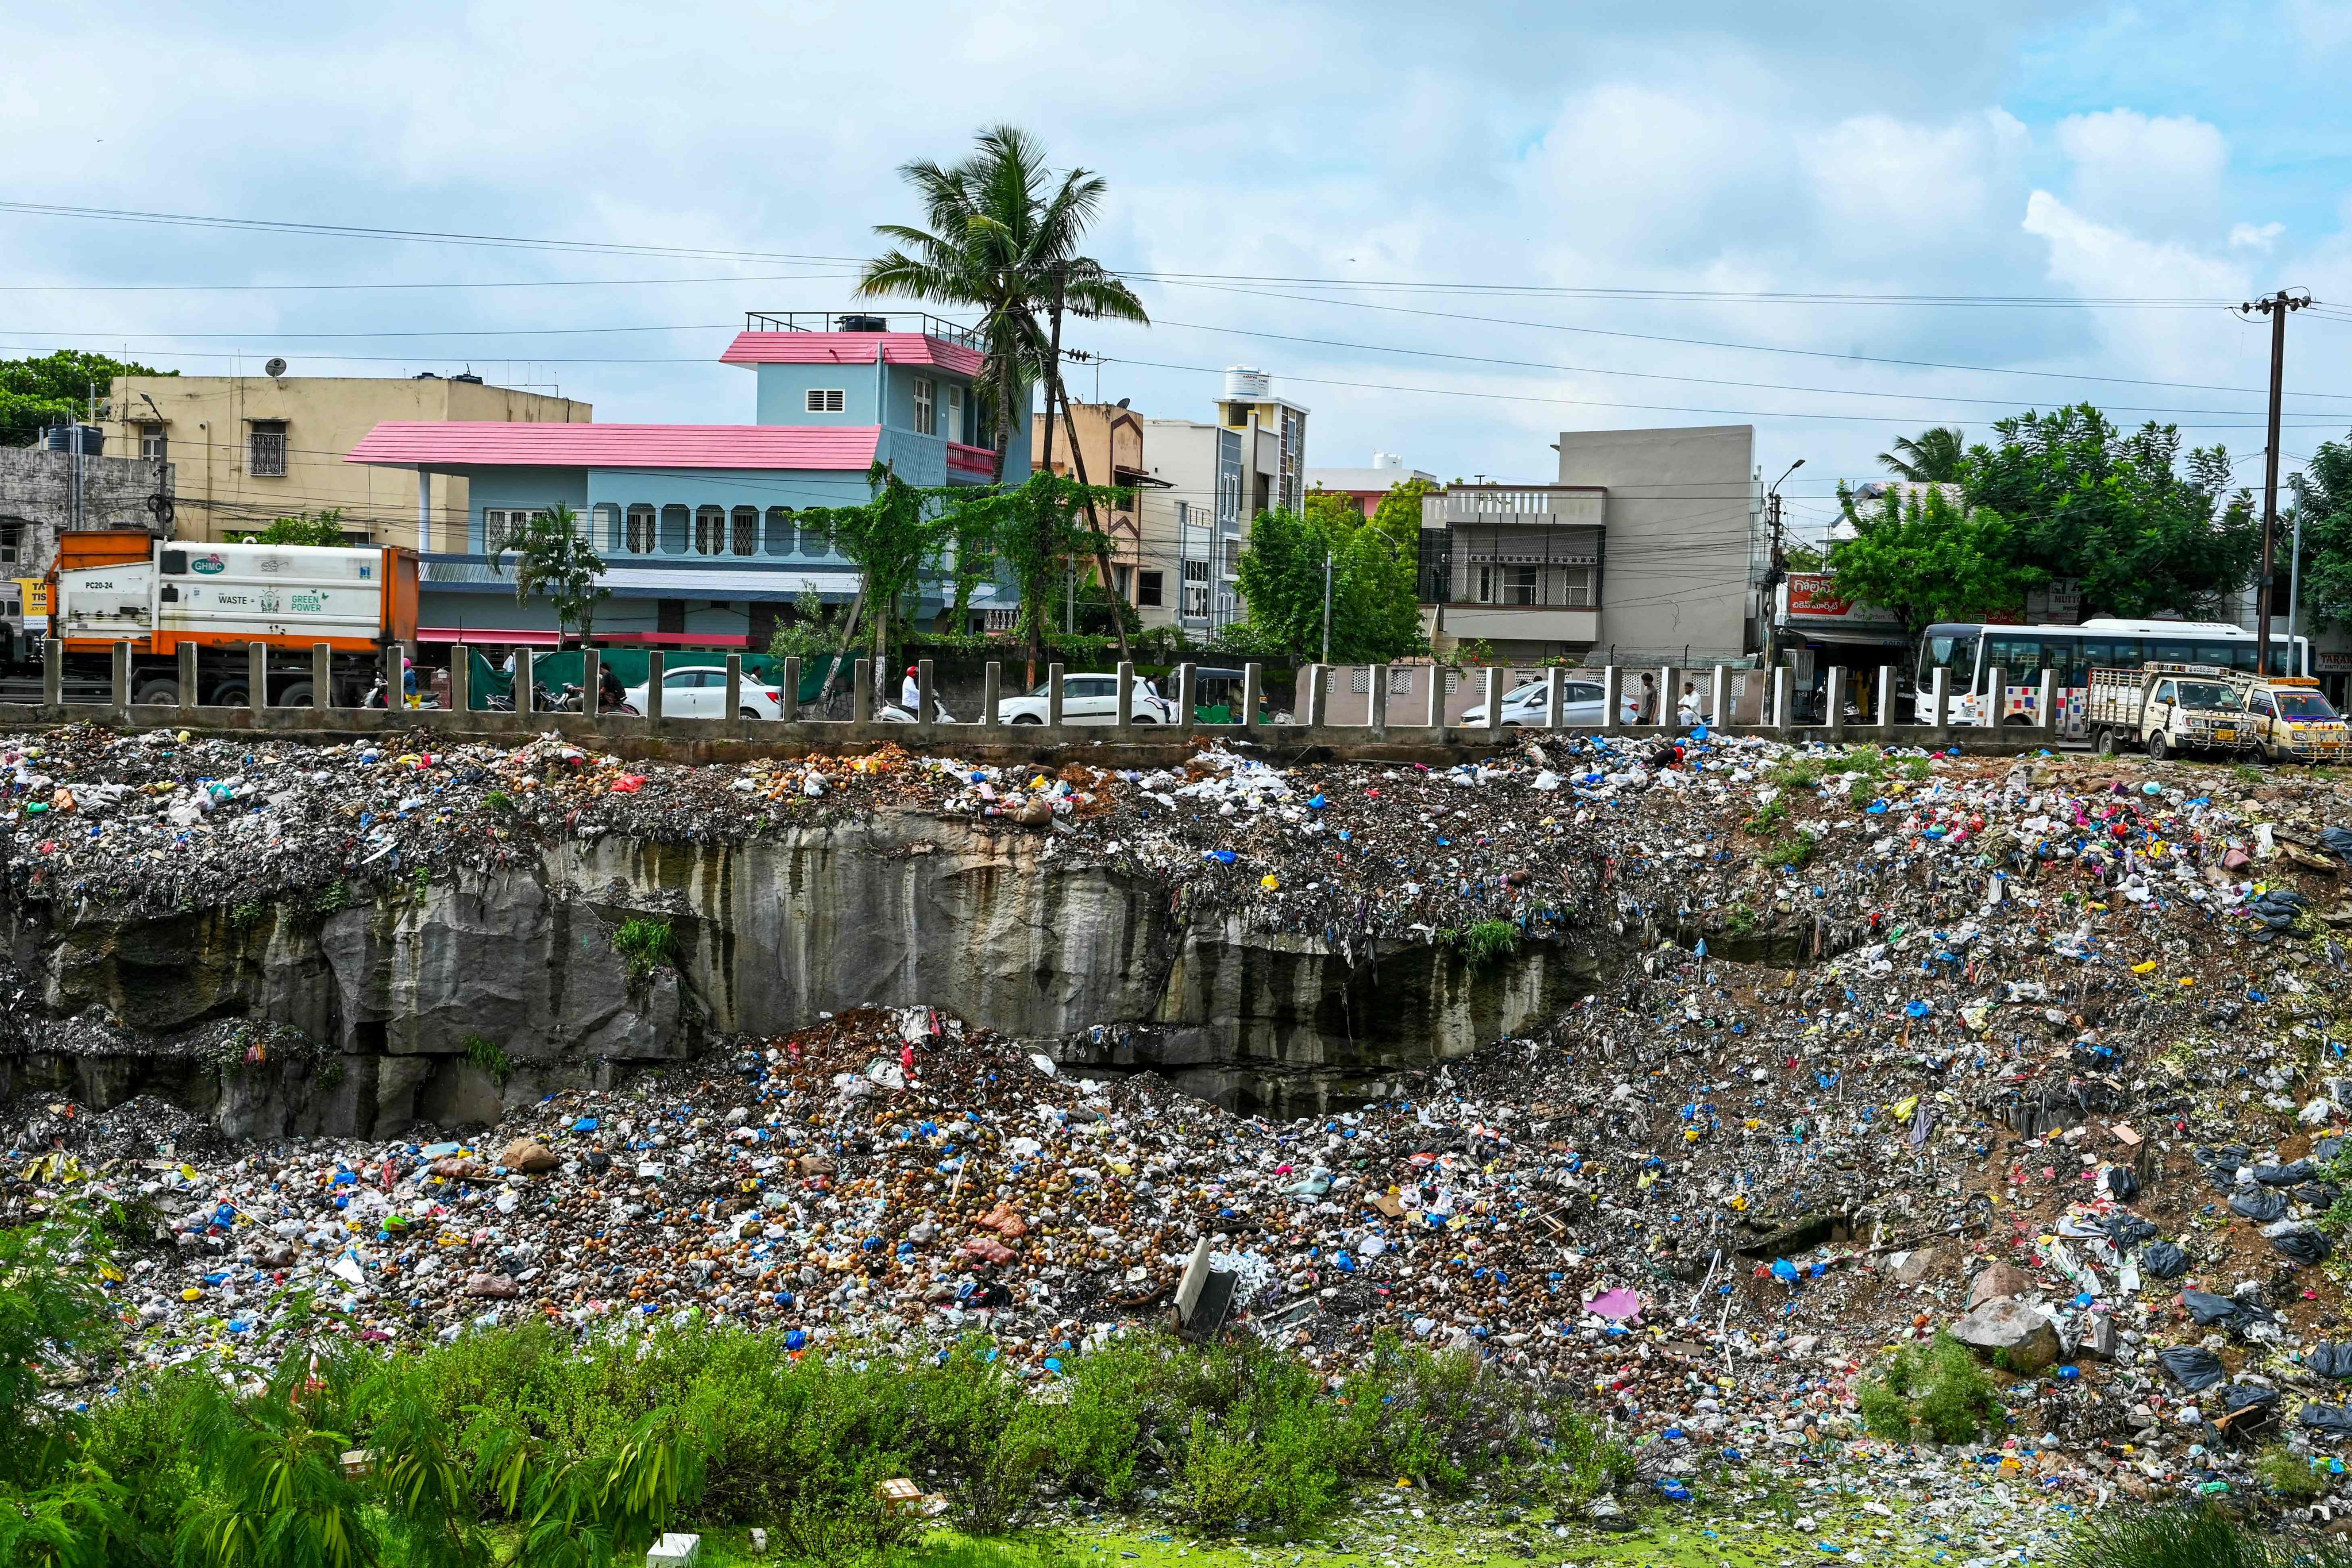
[[1949, 648]]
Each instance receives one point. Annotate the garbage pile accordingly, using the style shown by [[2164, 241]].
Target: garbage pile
[[2041, 1052]]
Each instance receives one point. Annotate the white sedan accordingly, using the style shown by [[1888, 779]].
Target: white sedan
[[1089, 700], [1579, 704], [700, 692]]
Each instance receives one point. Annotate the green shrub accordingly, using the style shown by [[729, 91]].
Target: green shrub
[[1767, 819], [486, 1054], [1483, 944], [645, 945], [1937, 1387], [1791, 852], [2291, 1474], [2165, 1538]]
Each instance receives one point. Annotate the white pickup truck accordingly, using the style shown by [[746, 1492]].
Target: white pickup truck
[[2169, 708]]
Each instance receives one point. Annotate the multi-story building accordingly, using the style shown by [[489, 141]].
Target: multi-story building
[[701, 526], [1210, 482], [1366, 488], [251, 449], [1650, 548]]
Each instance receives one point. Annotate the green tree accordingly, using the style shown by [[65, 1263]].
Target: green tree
[[2322, 506], [2145, 530], [1375, 616], [1926, 559], [554, 557], [306, 528], [892, 538], [1932, 457], [54, 389], [1399, 513], [57, 1506], [1038, 531], [1003, 239]]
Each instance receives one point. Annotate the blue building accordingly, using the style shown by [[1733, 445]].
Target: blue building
[[700, 525]]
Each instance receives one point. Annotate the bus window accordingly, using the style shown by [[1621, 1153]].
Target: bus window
[[2171, 652], [2018, 657], [2227, 655], [2279, 654]]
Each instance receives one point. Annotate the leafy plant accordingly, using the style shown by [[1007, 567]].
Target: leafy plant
[[487, 1054], [1767, 819], [2167, 1538], [1483, 944], [554, 559], [1937, 1387], [313, 529], [1791, 852], [644, 944]]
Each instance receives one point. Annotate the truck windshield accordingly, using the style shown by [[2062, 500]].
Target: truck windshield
[[2207, 694], [2303, 705]]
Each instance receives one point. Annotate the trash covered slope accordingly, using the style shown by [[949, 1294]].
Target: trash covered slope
[[2049, 1060]]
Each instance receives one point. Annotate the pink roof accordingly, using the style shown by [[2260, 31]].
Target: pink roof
[[496, 445], [849, 348]]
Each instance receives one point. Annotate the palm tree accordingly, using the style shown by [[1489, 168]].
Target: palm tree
[[1933, 458], [1003, 239]]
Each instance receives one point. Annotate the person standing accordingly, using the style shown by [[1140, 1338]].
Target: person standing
[[1647, 713]]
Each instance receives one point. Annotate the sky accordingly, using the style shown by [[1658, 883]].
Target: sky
[[1451, 232]]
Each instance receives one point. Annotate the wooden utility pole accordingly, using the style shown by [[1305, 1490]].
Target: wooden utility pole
[[2276, 308]]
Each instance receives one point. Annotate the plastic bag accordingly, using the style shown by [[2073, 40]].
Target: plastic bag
[[2258, 1204], [2190, 1366], [2164, 1260]]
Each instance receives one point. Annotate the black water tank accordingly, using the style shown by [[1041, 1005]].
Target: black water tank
[[88, 438], [865, 323]]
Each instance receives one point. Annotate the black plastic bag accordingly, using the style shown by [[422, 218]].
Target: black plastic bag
[[2333, 1419], [2285, 1175], [2191, 1366], [2129, 1230], [2208, 1310], [2303, 1243], [2122, 1186], [2164, 1260], [2330, 1360], [2258, 1204]]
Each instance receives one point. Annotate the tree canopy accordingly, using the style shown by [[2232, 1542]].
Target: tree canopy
[[1929, 559], [1375, 615], [554, 557], [1932, 457], [54, 389], [2322, 506]]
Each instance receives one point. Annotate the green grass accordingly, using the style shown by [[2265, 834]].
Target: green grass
[[486, 1054], [645, 945], [1483, 944], [1791, 852], [1768, 819]]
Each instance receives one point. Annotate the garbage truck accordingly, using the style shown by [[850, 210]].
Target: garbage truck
[[118, 585], [2169, 708]]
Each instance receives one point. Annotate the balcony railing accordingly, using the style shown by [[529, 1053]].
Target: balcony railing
[[921, 323], [1528, 504]]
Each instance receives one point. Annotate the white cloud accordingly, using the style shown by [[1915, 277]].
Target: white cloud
[[2159, 175], [2252, 237]]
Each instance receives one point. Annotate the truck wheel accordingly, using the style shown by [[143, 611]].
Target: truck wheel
[[2104, 743], [165, 693], [2156, 750], [295, 696]]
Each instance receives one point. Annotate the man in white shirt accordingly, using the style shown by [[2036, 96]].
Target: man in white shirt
[[910, 693]]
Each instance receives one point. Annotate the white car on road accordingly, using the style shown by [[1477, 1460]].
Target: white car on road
[[1580, 703], [700, 692], [1090, 700]]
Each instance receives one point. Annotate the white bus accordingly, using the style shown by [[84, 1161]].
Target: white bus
[[1972, 650]]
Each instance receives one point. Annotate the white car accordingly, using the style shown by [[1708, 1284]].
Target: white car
[[700, 692], [1580, 703], [1090, 700]]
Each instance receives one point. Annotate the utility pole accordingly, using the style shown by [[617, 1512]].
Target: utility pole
[[2275, 307], [1776, 566], [1327, 606]]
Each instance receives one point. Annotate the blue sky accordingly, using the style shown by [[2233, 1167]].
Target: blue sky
[[1398, 154]]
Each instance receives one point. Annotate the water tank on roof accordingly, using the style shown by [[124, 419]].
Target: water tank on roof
[[1387, 462], [87, 438], [865, 323], [1243, 385]]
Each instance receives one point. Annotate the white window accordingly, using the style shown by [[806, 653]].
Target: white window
[[501, 526], [824, 400], [641, 528], [710, 531], [266, 449], [1196, 588], [153, 443], [927, 421], [955, 413]]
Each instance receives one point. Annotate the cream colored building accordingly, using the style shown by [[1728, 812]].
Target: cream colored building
[[250, 448]]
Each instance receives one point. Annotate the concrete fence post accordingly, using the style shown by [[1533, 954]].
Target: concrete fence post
[[525, 690], [1783, 714], [1437, 696], [992, 693], [1253, 684], [53, 673], [391, 655], [1887, 714], [461, 677], [2046, 706], [1612, 687], [257, 676], [1379, 693], [1995, 707], [1052, 695], [188, 691], [788, 694], [731, 706], [1718, 695], [1310, 708], [1126, 713], [1834, 702], [1940, 699], [1494, 682], [926, 693], [591, 682], [1669, 676], [861, 691], [1186, 690], [656, 659], [322, 675], [120, 672]]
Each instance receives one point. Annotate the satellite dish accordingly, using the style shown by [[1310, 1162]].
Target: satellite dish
[[275, 368]]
